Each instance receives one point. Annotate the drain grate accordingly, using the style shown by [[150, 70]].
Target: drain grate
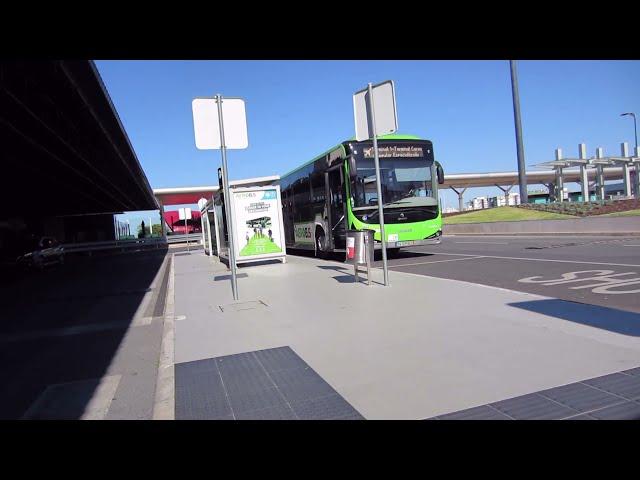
[[271, 384], [239, 306], [610, 397]]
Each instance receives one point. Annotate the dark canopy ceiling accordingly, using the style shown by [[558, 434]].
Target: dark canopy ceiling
[[63, 149]]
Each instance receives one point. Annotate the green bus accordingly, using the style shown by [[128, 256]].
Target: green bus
[[336, 191]]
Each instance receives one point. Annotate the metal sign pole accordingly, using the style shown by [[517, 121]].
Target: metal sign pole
[[227, 199], [186, 230], [378, 187]]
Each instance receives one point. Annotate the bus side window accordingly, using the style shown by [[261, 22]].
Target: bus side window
[[317, 188], [301, 199]]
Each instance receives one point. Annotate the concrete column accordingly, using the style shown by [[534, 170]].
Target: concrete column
[[600, 174], [506, 193], [626, 177], [559, 185], [460, 198], [552, 191], [584, 177]]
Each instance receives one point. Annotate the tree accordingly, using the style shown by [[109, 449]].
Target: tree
[[156, 229]]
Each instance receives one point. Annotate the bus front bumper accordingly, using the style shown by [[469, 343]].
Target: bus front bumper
[[410, 243]]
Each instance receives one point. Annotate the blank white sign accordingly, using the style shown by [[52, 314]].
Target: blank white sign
[[207, 127], [184, 213], [384, 105]]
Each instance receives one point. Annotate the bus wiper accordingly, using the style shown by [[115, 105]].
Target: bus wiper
[[409, 195]]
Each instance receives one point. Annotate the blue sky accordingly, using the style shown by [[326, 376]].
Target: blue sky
[[297, 109]]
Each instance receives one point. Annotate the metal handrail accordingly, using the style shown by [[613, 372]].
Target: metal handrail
[[112, 244]]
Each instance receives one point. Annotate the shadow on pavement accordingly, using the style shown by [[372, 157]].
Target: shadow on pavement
[[336, 268], [611, 319], [362, 278], [228, 277], [62, 328]]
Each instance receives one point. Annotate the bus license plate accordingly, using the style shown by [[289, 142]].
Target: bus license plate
[[405, 244]]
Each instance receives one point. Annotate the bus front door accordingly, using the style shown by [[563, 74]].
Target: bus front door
[[335, 188]]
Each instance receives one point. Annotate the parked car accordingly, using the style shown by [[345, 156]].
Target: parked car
[[41, 252]]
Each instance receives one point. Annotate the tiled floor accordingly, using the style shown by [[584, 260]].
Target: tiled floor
[[272, 384], [610, 397]]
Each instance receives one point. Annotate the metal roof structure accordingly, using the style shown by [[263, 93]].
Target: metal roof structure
[[64, 149], [191, 195]]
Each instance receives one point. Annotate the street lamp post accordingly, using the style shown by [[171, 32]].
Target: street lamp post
[[522, 174], [635, 127], [635, 152]]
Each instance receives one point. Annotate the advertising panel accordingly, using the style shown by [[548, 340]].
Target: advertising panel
[[258, 223]]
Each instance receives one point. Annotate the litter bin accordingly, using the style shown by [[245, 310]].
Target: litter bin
[[360, 250]]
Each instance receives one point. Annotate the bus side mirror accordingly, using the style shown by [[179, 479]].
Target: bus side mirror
[[440, 173], [353, 173]]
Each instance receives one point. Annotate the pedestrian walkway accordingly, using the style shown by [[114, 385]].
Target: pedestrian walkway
[[81, 340], [421, 348]]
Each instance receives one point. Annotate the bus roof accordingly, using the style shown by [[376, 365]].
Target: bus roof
[[391, 136]]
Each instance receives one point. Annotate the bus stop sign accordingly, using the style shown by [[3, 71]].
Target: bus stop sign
[[207, 127], [384, 106]]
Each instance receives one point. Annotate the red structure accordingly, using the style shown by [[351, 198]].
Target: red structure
[[176, 226]]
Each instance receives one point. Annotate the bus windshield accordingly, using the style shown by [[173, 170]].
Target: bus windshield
[[405, 182]]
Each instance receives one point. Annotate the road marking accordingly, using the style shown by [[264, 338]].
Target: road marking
[[489, 243], [535, 259], [631, 245], [605, 284], [435, 261]]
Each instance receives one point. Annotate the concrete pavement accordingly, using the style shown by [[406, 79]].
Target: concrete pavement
[[420, 348]]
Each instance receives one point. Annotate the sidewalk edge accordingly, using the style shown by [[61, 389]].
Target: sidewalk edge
[[164, 404]]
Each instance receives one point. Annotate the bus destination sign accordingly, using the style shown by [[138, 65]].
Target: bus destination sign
[[394, 152]]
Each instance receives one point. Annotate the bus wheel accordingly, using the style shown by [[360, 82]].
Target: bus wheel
[[321, 251], [393, 252]]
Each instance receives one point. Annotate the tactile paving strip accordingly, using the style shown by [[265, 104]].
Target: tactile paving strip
[[610, 397], [272, 384]]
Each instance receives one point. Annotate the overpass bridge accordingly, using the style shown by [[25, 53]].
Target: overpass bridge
[[458, 182]]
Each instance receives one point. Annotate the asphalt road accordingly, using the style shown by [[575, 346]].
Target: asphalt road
[[595, 270]]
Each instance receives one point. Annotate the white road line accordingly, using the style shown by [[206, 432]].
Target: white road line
[[489, 243], [435, 261], [534, 259], [631, 245]]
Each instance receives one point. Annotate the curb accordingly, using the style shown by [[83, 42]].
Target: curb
[[164, 404]]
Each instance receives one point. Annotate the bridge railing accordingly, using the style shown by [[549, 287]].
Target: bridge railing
[[194, 238]]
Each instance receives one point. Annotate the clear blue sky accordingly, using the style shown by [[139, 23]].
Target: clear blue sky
[[297, 109]]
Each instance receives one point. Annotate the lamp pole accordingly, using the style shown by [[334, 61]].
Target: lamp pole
[[635, 127], [522, 176]]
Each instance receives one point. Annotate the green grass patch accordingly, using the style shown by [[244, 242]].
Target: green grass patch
[[628, 213], [258, 246], [503, 214]]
